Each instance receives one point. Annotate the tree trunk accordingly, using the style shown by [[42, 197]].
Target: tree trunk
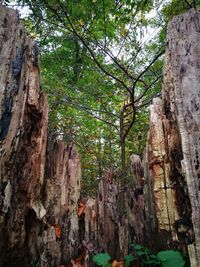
[[181, 87], [123, 149], [123, 161], [167, 205], [23, 137], [172, 155], [38, 218], [110, 224]]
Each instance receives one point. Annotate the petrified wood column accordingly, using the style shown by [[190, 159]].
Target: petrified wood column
[[23, 135], [38, 204], [110, 224], [173, 151], [182, 88]]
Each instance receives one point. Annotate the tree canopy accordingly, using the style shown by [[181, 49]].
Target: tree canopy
[[101, 65]]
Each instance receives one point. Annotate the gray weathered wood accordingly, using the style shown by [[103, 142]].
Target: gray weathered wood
[[182, 87]]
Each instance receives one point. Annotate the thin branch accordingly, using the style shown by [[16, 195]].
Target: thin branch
[[125, 37], [114, 59], [148, 102], [90, 113], [189, 5], [132, 120], [147, 88], [145, 70], [73, 30]]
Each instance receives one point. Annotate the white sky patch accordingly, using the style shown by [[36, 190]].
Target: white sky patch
[[23, 11]]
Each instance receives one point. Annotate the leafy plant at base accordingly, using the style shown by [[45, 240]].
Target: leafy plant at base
[[171, 258], [129, 259], [144, 256], [102, 259]]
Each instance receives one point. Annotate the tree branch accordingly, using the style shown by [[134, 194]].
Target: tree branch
[[147, 88], [145, 70], [73, 30], [86, 110]]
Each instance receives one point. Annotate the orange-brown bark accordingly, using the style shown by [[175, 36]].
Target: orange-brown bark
[[39, 189]]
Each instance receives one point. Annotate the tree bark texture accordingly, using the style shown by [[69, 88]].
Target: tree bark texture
[[40, 187], [172, 154], [112, 224], [182, 99], [167, 204]]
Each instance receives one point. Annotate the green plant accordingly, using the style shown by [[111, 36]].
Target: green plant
[[171, 258], [129, 259], [144, 256], [102, 259]]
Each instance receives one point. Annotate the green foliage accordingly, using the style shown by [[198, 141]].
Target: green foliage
[[171, 258], [91, 53], [85, 103], [102, 259], [144, 256], [129, 259]]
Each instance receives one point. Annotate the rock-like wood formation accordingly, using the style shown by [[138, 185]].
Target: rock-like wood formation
[[174, 144], [182, 102], [40, 188], [111, 223]]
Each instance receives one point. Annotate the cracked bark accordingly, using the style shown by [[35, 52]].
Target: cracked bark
[[182, 80], [172, 156], [38, 218]]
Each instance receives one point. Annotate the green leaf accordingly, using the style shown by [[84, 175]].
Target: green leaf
[[137, 246], [171, 258], [102, 259], [140, 253], [128, 259]]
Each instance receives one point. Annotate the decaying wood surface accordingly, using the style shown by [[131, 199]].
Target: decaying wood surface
[[61, 194], [182, 89], [23, 135], [111, 225], [167, 204], [39, 189]]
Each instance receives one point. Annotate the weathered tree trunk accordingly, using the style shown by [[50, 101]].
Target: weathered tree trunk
[[23, 113], [38, 217], [174, 143], [182, 90], [112, 224], [167, 205], [61, 194]]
